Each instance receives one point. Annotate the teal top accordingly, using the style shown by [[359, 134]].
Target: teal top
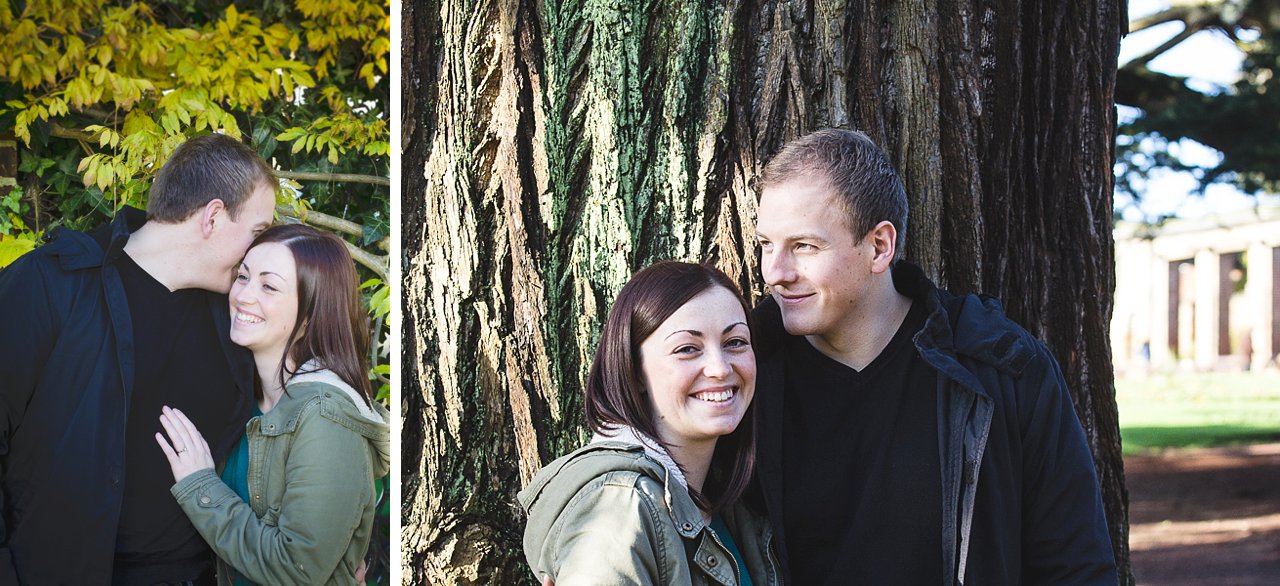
[[236, 475], [722, 531]]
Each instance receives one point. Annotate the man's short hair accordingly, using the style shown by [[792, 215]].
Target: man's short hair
[[205, 168], [857, 171]]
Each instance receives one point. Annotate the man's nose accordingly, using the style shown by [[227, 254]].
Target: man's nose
[[776, 267]]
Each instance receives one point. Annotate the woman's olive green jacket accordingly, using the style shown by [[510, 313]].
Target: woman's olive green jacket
[[610, 513], [313, 460]]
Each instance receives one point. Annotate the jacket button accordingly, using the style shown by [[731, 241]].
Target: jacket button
[[687, 526], [204, 500], [271, 426], [711, 561], [257, 497]]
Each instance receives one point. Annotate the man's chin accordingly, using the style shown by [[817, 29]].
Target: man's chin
[[796, 326]]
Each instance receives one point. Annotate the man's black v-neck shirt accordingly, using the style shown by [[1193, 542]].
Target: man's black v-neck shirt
[[179, 362], [862, 497]]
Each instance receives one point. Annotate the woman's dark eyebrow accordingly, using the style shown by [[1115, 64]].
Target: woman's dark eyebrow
[[734, 325], [695, 333], [245, 266], [698, 334]]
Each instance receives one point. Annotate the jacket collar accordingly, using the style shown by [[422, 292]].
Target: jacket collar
[[103, 245], [126, 222], [288, 410], [555, 485], [684, 511], [313, 371], [652, 448], [972, 327], [338, 405]]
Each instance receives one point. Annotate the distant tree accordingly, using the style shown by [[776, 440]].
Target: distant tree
[[1238, 121]]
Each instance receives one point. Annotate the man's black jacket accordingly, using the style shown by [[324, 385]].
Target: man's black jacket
[[1021, 503], [66, 373]]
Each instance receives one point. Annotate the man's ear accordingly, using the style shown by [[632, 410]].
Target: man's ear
[[211, 216], [884, 242]]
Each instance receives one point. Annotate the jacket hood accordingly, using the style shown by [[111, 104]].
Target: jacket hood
[[652, 448], [556, 485], [969, 326], [370, 422]]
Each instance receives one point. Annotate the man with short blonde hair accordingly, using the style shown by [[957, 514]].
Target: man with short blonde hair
[[907, 435], [101, 330]]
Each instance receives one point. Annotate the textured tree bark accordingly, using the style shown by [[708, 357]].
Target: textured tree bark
[[552, 148]]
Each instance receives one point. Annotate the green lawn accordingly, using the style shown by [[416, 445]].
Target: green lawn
[[1198, 410]]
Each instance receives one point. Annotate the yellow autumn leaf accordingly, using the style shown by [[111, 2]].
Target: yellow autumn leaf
[[12, 248]]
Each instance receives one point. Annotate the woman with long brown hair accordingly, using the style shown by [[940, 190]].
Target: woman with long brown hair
[[295, 502], [656, 496]]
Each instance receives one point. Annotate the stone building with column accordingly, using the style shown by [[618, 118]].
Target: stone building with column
[[1198, 294]]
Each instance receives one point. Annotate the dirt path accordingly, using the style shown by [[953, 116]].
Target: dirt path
[[1206, 517]]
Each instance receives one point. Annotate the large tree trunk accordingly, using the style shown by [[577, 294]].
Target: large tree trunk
[[552, 148]]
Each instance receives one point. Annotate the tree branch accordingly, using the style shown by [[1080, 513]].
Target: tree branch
[[1192, 27], [1140, 87], [342, 177], [1158, 18], [323, 220], [375, 263], [106, 116], [334, 223], [60, 131], [80, 136]]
